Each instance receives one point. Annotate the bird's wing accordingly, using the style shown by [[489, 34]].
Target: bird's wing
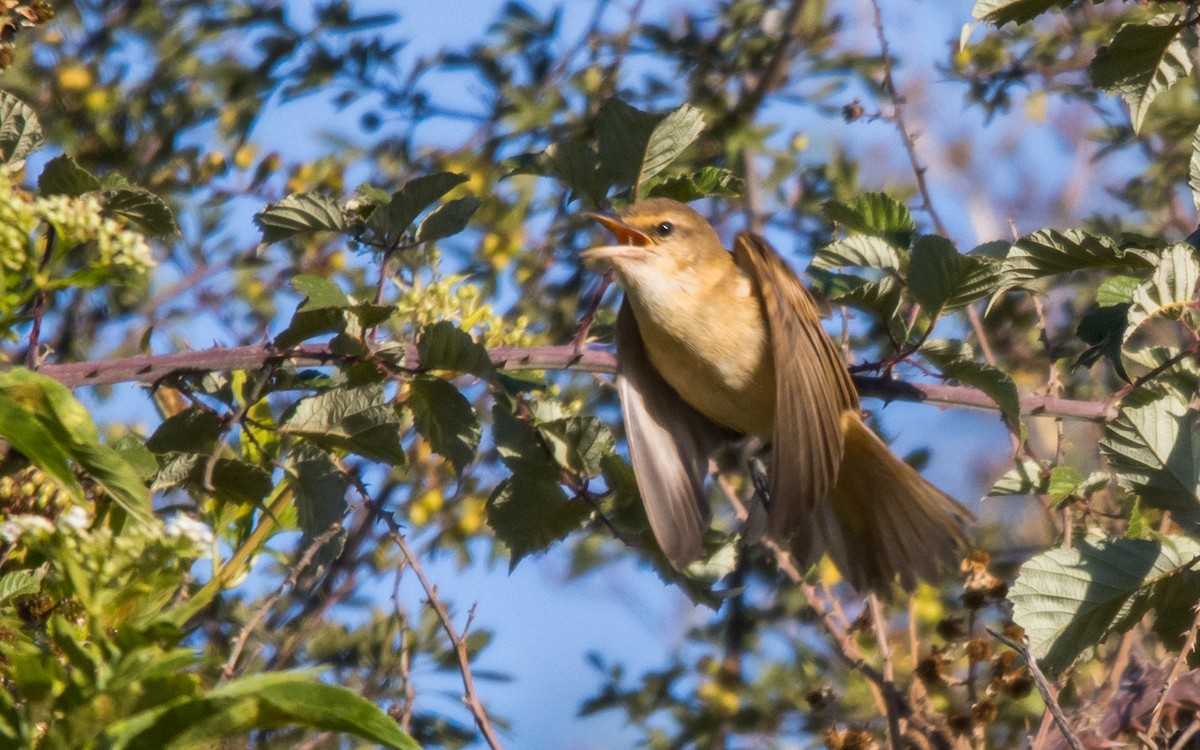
[[670, 444], [812, 390]]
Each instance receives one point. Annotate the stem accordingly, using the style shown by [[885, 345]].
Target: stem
[[1043, 687]]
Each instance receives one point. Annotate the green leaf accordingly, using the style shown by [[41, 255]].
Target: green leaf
[[667, 141], [63, 176], [577, 165], [1064, 482], [1194, 170], [20, 131], [519, 444], [1154, 445], [993, 381], [1024, 479], [578, 443], [143, 209], [448, 219], [1141, 62], [320, 491], [882, 299], [1170, 292], [980, 277], [445, 346], [21, 583], [1103, 329], [391, 221], [319, 292], [1047, 252], [300, 213], [261, 701], [709, 181], [349, 419], [444, 418], [623, 133], [861, 251], [193, 430], [1000, 12], [1117, 290], [935, 272], [874, 214], [530, 512], [1070, 599], [324, 311]]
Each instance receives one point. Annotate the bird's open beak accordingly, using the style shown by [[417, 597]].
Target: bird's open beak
[[627, 237]]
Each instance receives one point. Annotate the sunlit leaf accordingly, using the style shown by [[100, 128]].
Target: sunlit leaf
[[1170, 292], [874, 214], [669, 138], [448, 219], [935, 272], [445, 346], [350, 419], [389, 222], [1024, 479], [1142, 61], [709, 181], [861, 251], [20, 131], [1000, 12], [299, 213]]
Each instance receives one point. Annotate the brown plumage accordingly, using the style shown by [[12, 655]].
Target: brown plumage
[[712, 346]]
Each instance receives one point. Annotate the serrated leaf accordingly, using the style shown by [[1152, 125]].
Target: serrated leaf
[[320, 492], [1023, 479], [997, 384], [355, 419], [133, 449], [1069, 599], [980, 278], [578, 443], [670, 137], [21, 583], [143, 209], [444, 417], [319, 292], [1170, 292], [1142, 61], [874, 214], [529, 513], [882, 299], [259, 701], [1064, 482], [20, 131], [623, 132], [861, 251], [1000, 12], [935, 271], [1103, 329], [445, 346], [520, 445], [448, 219], [193, 430], [1194, 170], [324, 310], [1154, 446], [685, 188], [1048, 252], [299, 213], [62, 175], [374, 195], [391, 221]]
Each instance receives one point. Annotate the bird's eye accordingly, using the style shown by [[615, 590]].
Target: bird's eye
[[664, 229]]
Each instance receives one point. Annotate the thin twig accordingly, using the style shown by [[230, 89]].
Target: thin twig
[[1176, 670], [458, 641], [310, 554], [149, 368], [879, 623], [32, 357], [1043, 686]]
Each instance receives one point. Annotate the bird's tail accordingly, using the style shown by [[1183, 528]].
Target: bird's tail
[[884, 520]]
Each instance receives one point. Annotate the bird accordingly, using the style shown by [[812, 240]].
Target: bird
[[713, 347]]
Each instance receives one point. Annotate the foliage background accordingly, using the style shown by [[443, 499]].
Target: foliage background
[[222, 109]]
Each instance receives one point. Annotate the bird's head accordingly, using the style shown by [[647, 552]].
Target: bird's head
[[658, 235]]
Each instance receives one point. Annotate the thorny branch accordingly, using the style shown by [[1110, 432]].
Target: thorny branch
[[152, 368], [1043, 686]]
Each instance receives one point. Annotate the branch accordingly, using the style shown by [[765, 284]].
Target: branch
[[1043, 687], [150, 368]]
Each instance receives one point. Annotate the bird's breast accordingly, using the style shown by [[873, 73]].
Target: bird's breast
[[710, 343]]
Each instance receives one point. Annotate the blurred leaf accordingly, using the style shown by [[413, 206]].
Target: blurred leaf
[[1069, 599], [1141, 62], [391, 221], [445, 346], [1000, 12], [935, 271], [444, 417], [710, 181], [1024, 479], [143, 209], [1170, 292], [349, 419], [20, 131], [62, 175], [670, 137], [1153, 445], [320, 491], [21, 583], [448, 219], [577, 165], [1103, 329], [578, 443], [623, 133], [258, 701], [876, 215], [1117, 290], [193, 430], [1064, 482], [299, 213], [324, 311], [1194, 170], [529, 513]]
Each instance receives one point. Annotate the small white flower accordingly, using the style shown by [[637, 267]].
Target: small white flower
[[25, 525], [182, 526], [77, 517]]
